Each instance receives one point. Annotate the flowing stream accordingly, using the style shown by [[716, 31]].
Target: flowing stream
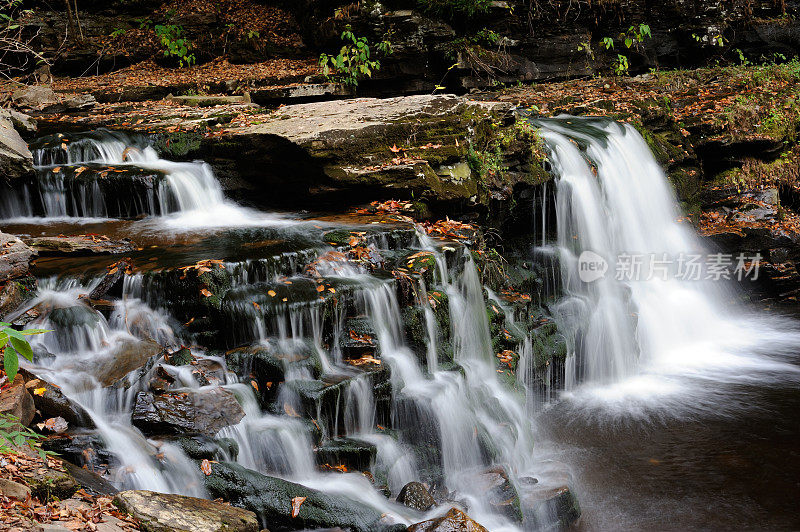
[[643, 356]]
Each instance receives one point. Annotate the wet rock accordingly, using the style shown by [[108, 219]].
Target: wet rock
[[161, 512], [271, 498], [79, 245], [15, 256], [90, 481], [200, 446], [454, 521], [415, 495], [350, 453], [499, 492], [51, 403], [34, 96], [14, 490], [113, 278], [130, 355], [83, 448], [16, 401], [12, 295], [268, 364], [550, 503], [204, 411]]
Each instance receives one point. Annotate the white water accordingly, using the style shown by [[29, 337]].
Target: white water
[[652, 343], [189, 197]]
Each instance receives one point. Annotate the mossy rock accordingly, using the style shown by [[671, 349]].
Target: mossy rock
[[271, 499]]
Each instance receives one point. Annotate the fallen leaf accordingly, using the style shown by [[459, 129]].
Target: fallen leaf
[[206, 292], [39, 391], [296, 503], [205, 467]]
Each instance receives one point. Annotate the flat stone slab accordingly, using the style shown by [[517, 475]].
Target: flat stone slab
[[161, 512], [80, 245]]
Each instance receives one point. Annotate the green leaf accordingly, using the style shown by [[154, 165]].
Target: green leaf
[[10, 363], [31, 332], [23, 348], [13, 333]]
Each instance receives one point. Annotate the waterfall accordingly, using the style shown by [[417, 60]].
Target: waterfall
[[638, 320], [108, 174]]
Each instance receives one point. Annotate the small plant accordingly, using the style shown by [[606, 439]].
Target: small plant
[[14, 434], [14, 345], [118, 32], [634, 38], [175, 43], [354, 61]]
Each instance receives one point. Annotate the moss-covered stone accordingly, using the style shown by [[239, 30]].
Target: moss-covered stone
[[271, 499]]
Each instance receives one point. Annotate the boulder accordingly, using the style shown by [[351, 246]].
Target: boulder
[[271, 498], [34, 96], [204, 411], [15, 158], [14, 490], [24, 124], [454, 521], [12, 295], [129, 356], [415, 495], [15, 256], [16, 401], [79, 245], [162, 512], [51, 402]]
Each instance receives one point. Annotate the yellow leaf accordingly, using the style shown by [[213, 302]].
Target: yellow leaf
[[271, 293], [39, 391]]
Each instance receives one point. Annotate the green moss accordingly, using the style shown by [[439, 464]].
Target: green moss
[[178, 144]]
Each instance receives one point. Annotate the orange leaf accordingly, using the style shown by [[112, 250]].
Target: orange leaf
[[205, 467], [320, 288], [271, 293], [254, 384], [206, 292], [296, 503], [289, 410]]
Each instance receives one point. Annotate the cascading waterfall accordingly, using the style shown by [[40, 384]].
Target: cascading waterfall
[[85, 347], [108, 174], [627, 325]]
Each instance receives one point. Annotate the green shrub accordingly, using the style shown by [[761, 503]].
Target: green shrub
[[175, 44], [354, 61]]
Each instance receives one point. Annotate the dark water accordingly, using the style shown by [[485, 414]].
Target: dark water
[[722, 457]]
